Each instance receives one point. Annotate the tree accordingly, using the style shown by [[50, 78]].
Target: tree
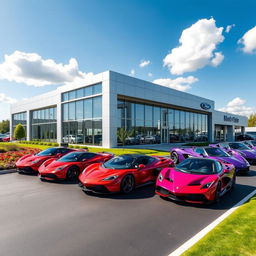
[[252, 120], [4, 126], [19, 132], [123, 134]]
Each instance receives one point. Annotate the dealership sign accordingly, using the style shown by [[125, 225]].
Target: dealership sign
[[231, 119], [205, 106]]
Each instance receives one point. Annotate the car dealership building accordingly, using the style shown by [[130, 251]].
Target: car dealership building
[[95, 112]]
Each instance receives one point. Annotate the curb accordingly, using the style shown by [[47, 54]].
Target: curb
[[193, 240], [7, 171]]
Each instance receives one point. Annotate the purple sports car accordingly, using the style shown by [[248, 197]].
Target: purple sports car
[[180, 154], [238, 148], [250, 143]]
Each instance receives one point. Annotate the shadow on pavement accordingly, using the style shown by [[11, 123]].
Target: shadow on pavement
[[139, 193]]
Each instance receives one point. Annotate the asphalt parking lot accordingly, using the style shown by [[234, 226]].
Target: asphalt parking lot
[[43, 219]]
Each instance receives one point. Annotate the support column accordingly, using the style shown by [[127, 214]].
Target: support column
[[29, 126], [59, 122], [230, 133]]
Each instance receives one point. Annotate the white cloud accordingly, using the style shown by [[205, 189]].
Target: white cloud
[[6, 99], [237, 106], [144, 63], [180, 83], [218, 58], [150, 74], [32, 69], [249, 41], [229, 27], [197, 48], [132, 72]]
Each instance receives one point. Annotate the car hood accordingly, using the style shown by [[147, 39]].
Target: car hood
[[238, 163], [248, 153], [31, 158], [180, 180], [98, 172]]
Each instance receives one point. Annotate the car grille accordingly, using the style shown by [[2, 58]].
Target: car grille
[[26, 169], [188, 197], [96, 188], [247, 169], [48, 175]]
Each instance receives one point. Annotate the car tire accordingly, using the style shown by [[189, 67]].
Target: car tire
[[217, 194], [127, 184], [72, 173], [175, 157]]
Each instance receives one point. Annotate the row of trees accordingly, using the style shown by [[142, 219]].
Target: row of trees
[[252, 120], [4, 126]]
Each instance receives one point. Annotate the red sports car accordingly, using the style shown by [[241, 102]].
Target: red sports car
[[71, 165], [31, 163], [196, 180], [122, 173]]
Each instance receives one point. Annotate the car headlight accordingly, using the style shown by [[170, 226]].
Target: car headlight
[[35, 161], [113, 177], [160, 177], [208, 185], [60, 168], [241, 154]]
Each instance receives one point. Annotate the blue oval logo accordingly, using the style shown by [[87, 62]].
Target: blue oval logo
[[205, 106]]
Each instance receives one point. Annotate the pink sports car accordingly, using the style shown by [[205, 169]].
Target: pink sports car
[[196, 180]]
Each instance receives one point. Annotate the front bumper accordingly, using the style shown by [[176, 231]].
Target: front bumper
[[195, 198], [26, 170], [243, 170], [101, 189], [49, 176]]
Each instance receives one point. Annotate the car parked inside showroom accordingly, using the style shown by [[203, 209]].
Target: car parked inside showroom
[[196, 180], [31, 163], [122, 173], [180, 154], [71, 165], [238, 148]]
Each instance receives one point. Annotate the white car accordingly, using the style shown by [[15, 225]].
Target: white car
[[73, 139]]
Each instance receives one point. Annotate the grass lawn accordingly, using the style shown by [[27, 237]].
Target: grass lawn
[[235, 236], [116, 151]]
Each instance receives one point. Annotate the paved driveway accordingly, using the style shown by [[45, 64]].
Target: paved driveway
[[43, 219]]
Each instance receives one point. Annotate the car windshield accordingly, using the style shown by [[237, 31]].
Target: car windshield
[[196, 166], [239, 146], [120, 162], [71, 157], [47, 152], [224, 145], [216, 152]]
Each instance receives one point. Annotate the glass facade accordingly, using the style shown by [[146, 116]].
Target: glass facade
[[44, 124], [82, 120], [19, 118], [87, 91], [148, 124]]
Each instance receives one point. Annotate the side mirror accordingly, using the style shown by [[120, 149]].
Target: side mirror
[[141, 166], [59, 155], [203, 155], [171, 164], [226, 170]]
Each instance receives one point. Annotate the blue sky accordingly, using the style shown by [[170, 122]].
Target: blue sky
[[119, 35]]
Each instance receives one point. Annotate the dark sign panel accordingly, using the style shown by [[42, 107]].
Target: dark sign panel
[[205, 106], [231, 119]]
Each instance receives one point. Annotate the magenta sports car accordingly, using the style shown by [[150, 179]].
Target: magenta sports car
[[180, 154], [196, 180]]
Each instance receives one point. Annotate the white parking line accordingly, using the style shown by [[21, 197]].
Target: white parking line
[[207, 229]]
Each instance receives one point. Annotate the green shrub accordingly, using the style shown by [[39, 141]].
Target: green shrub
[[19, 132]]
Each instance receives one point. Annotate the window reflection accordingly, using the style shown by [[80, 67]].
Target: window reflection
[[147, 124]]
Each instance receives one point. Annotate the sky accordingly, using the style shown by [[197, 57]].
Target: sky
[[207, 48]]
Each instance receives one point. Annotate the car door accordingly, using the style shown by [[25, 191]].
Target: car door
[[146, 173]]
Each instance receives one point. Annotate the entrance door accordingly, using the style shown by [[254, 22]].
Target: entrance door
[[164, 126]]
